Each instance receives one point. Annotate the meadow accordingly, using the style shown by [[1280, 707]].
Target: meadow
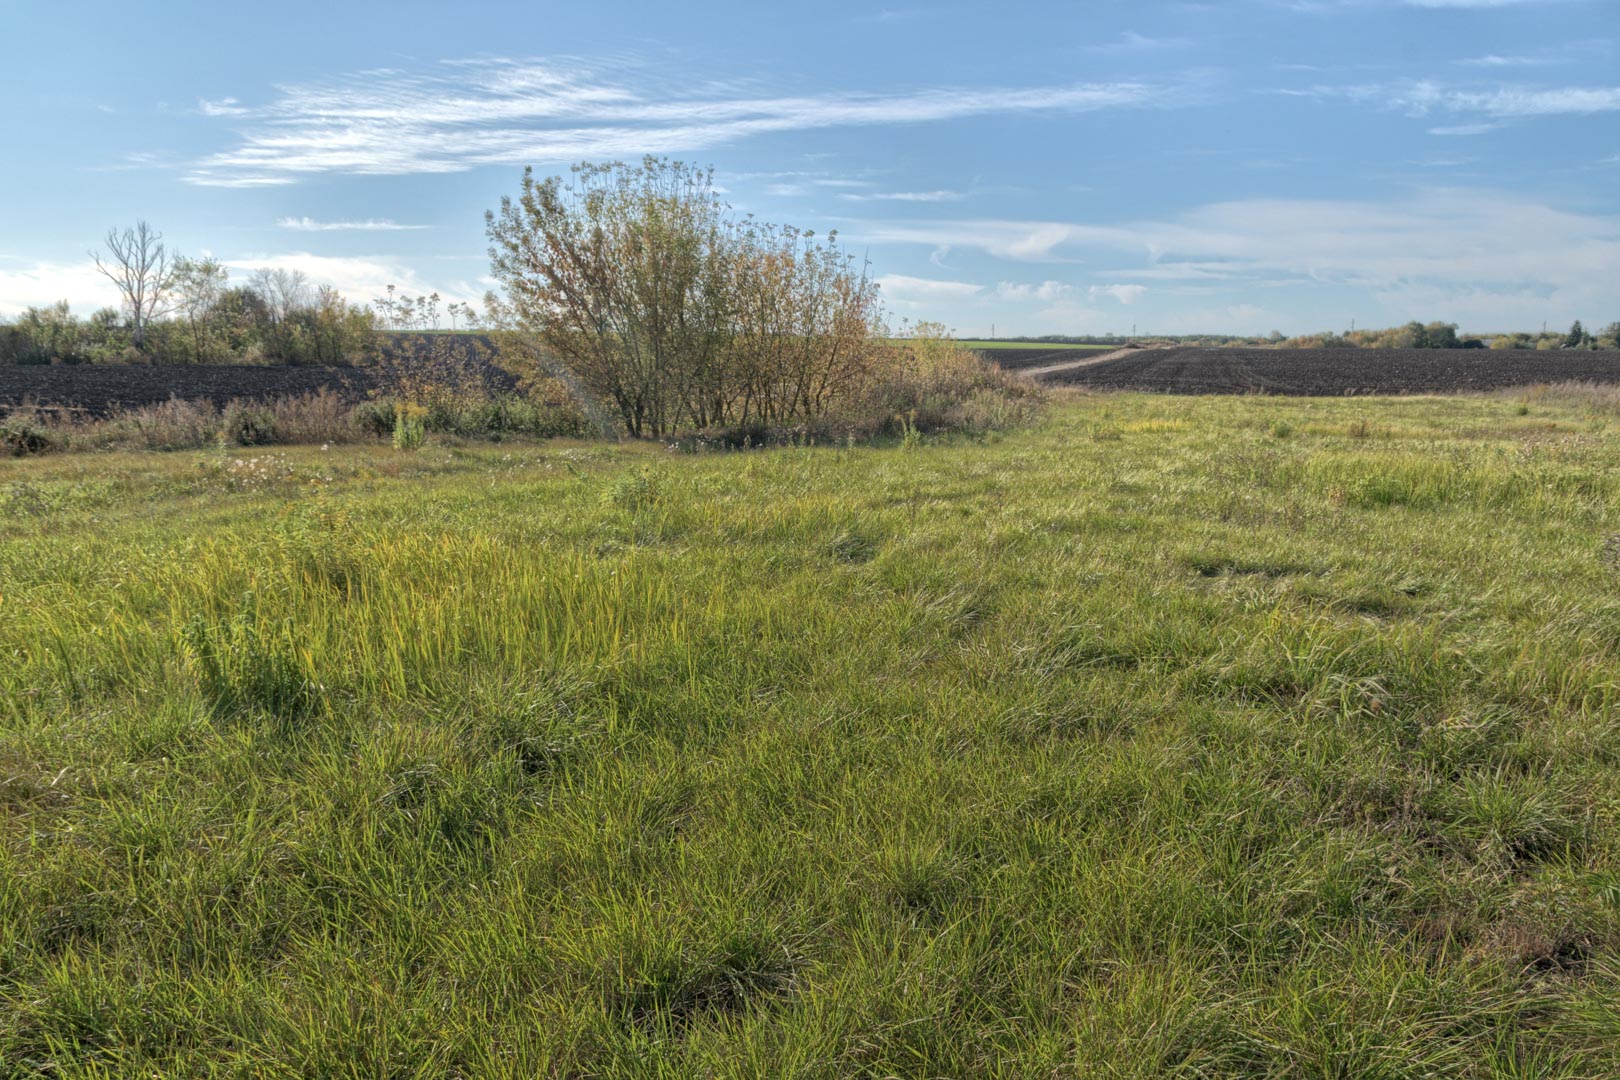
[[1193, 737]]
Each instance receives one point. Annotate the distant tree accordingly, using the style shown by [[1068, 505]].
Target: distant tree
[[1409, 336], [137, 263], [198, 286], [1439, 335], [284, 291], [1576, 336], [337, 331]]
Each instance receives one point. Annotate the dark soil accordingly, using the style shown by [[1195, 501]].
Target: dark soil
[[102, 389], [1338, 372], [1023, 359]]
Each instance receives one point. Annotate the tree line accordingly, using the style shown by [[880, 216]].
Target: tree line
[[1412, 335], [175, 309], [1442, 335]]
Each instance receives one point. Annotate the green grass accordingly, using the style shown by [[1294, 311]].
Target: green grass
[[1177, 737]]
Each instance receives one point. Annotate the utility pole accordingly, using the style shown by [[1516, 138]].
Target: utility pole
[[992, 331]]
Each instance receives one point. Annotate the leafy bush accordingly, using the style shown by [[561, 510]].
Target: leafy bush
[[21, 435], [934, 385], [374, 418], [247, 425]]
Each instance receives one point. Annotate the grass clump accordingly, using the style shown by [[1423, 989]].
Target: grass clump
[[1194, 751], [410, 427]]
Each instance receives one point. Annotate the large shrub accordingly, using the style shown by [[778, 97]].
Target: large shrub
[[673, 313]]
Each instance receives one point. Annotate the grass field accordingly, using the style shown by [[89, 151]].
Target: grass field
[[1177, 737]]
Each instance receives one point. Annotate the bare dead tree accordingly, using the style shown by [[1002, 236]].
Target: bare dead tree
[[138, 264]]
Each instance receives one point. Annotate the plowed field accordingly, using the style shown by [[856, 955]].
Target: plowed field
[[1334, 372]]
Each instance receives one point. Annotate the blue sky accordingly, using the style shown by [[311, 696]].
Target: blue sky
[[1076, 167]]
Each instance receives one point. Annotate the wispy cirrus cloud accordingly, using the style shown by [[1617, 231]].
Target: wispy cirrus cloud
[[1505, 102], [1132, 42], [223, 107], [1480, 3], [1463, 129], [1494, 60], [906, 196], [810, 183], [242, 180], [463, 114], [305, 224], [1501, 102]]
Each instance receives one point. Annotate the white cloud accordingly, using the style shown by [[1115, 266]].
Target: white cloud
[[1493, 60], [1422, 97], [806, 185], [305, 224], [213, 179], [1016, 241], [901, 289], [1047, 292], [1125, 294], [1473, 3], [1464, 129], [1508, 101], [361, 279], [464, 114], [906, 196], [1460, 241], [1132, 42], [42, 284], [223, 107]]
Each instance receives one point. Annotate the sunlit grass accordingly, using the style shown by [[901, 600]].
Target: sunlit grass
[[1188, 737]]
